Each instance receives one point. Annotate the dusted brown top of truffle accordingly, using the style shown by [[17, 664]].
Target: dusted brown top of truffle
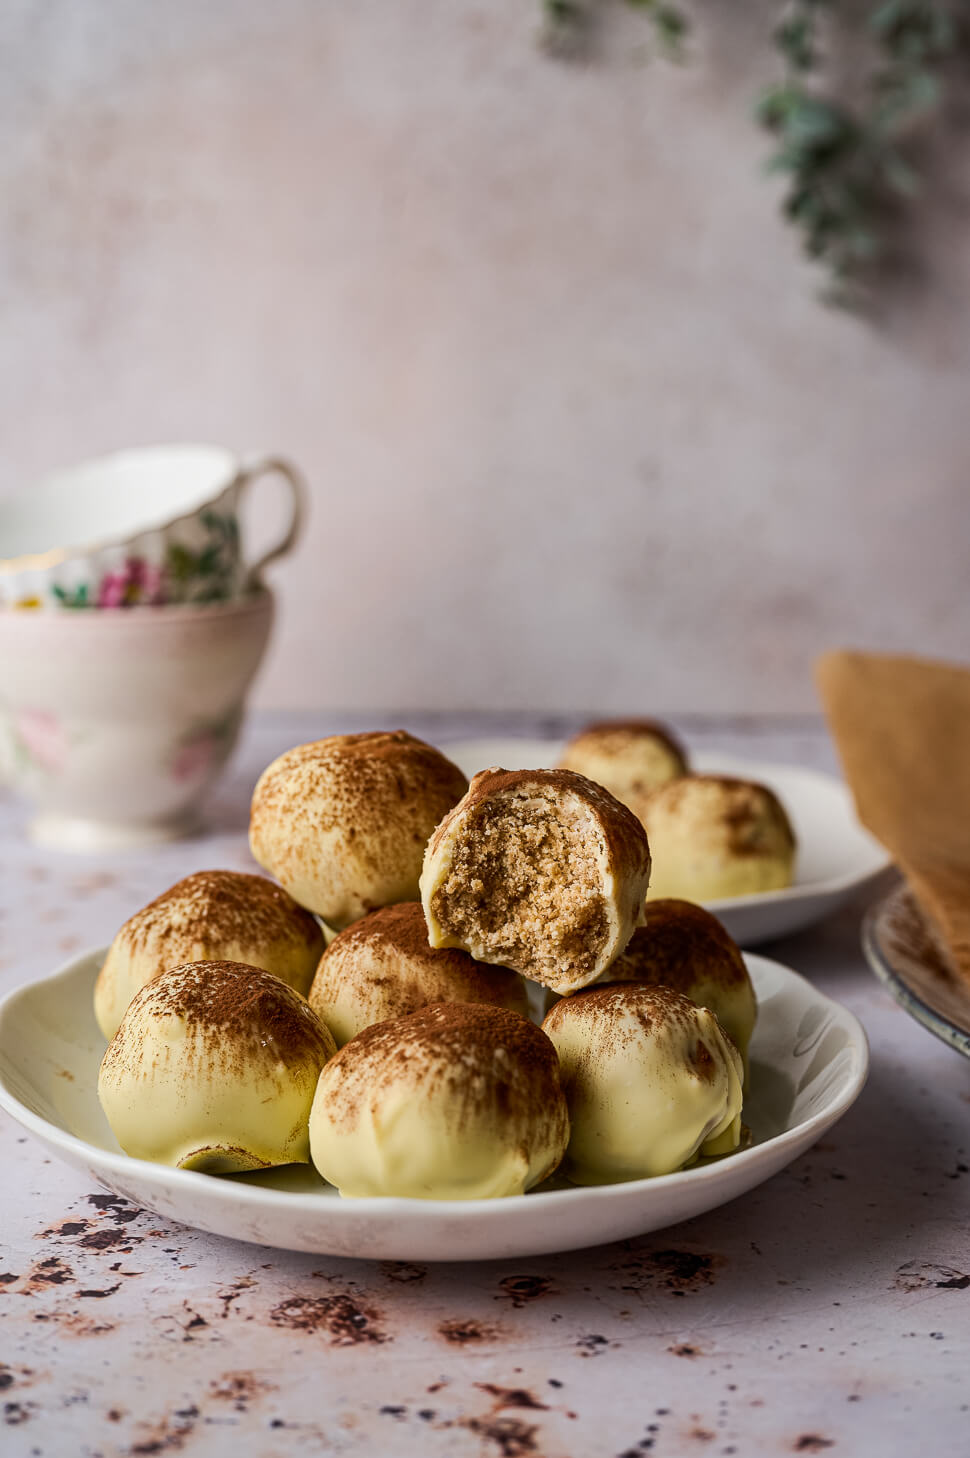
[[679, 942], [218, 908], [465, 1043], [343, 774], [402, 927], [384, 967], [224, 915], [604, 731], [254, 1012], [343, 822], [750, 812], [623, 1012]]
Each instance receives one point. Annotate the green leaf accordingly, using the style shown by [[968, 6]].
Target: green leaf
[[773, 106], [837, 148], [786, 159], [887, 18], [180, 562], [671, 23], [795, 39], [862, 245], [565, 12], [899, 176], [816, 123]]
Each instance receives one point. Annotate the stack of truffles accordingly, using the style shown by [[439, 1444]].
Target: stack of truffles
[[401, 1058]]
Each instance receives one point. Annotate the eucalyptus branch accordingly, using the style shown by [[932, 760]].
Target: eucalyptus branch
[[669, 23], [848, 164], [566, 27], [569, 25]]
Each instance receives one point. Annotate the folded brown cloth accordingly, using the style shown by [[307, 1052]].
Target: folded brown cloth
[[902, 728]]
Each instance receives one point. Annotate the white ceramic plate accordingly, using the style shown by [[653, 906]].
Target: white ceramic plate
[[808, 1063], [836, 857]]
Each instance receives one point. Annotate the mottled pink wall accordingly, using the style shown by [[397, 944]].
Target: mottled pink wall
[[578, 430]]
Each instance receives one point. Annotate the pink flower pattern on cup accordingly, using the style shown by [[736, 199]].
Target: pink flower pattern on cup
[[206, 745], [194, 756], [42, 738], [136, 582]]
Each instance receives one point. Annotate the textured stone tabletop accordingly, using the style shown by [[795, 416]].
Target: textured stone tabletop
[[826, 1311]]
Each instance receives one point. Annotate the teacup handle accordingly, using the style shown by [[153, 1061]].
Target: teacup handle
[[276, 466]]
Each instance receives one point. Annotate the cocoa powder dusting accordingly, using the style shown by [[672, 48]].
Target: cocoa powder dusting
[[497, 1062], [755, 818], [232, 997], [913, 937], [680, 943], [627, 729], [403, 928], [623, 1012], [390, 948], [341, 1318], [352, 781], [218, 909]]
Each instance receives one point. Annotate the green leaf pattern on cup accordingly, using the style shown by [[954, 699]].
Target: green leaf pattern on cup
[[205, 572], [75, 597]]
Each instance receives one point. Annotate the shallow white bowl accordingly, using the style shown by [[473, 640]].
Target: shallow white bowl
[[808, 1064], [836, 856]]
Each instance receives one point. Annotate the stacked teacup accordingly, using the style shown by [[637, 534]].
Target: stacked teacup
[[131, 626]]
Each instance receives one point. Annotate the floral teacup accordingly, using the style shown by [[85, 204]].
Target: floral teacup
[[114, 725], [151, 526]]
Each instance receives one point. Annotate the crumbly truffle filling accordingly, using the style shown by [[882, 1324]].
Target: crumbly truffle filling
[[524, 887]]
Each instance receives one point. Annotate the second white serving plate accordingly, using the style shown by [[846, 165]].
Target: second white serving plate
[[836, 856], [809, 1059]]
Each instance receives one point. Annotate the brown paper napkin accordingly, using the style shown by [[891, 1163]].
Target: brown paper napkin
[[902, 727]]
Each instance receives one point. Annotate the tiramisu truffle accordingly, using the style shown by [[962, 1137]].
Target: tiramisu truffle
[[214, 1068], [225, 916], [651, 1080], [630, 757], [384, 967], [684, 947], [538, 870], [713, 837], [455, 1102], [343, 823]]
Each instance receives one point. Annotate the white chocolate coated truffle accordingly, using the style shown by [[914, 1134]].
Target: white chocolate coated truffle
[[629, 757], [222, 916], [651, 1080], [685, 947], [384, 967], [714, 836], [455, 1102], [214, 1068], [342, 823], [538, 870]]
